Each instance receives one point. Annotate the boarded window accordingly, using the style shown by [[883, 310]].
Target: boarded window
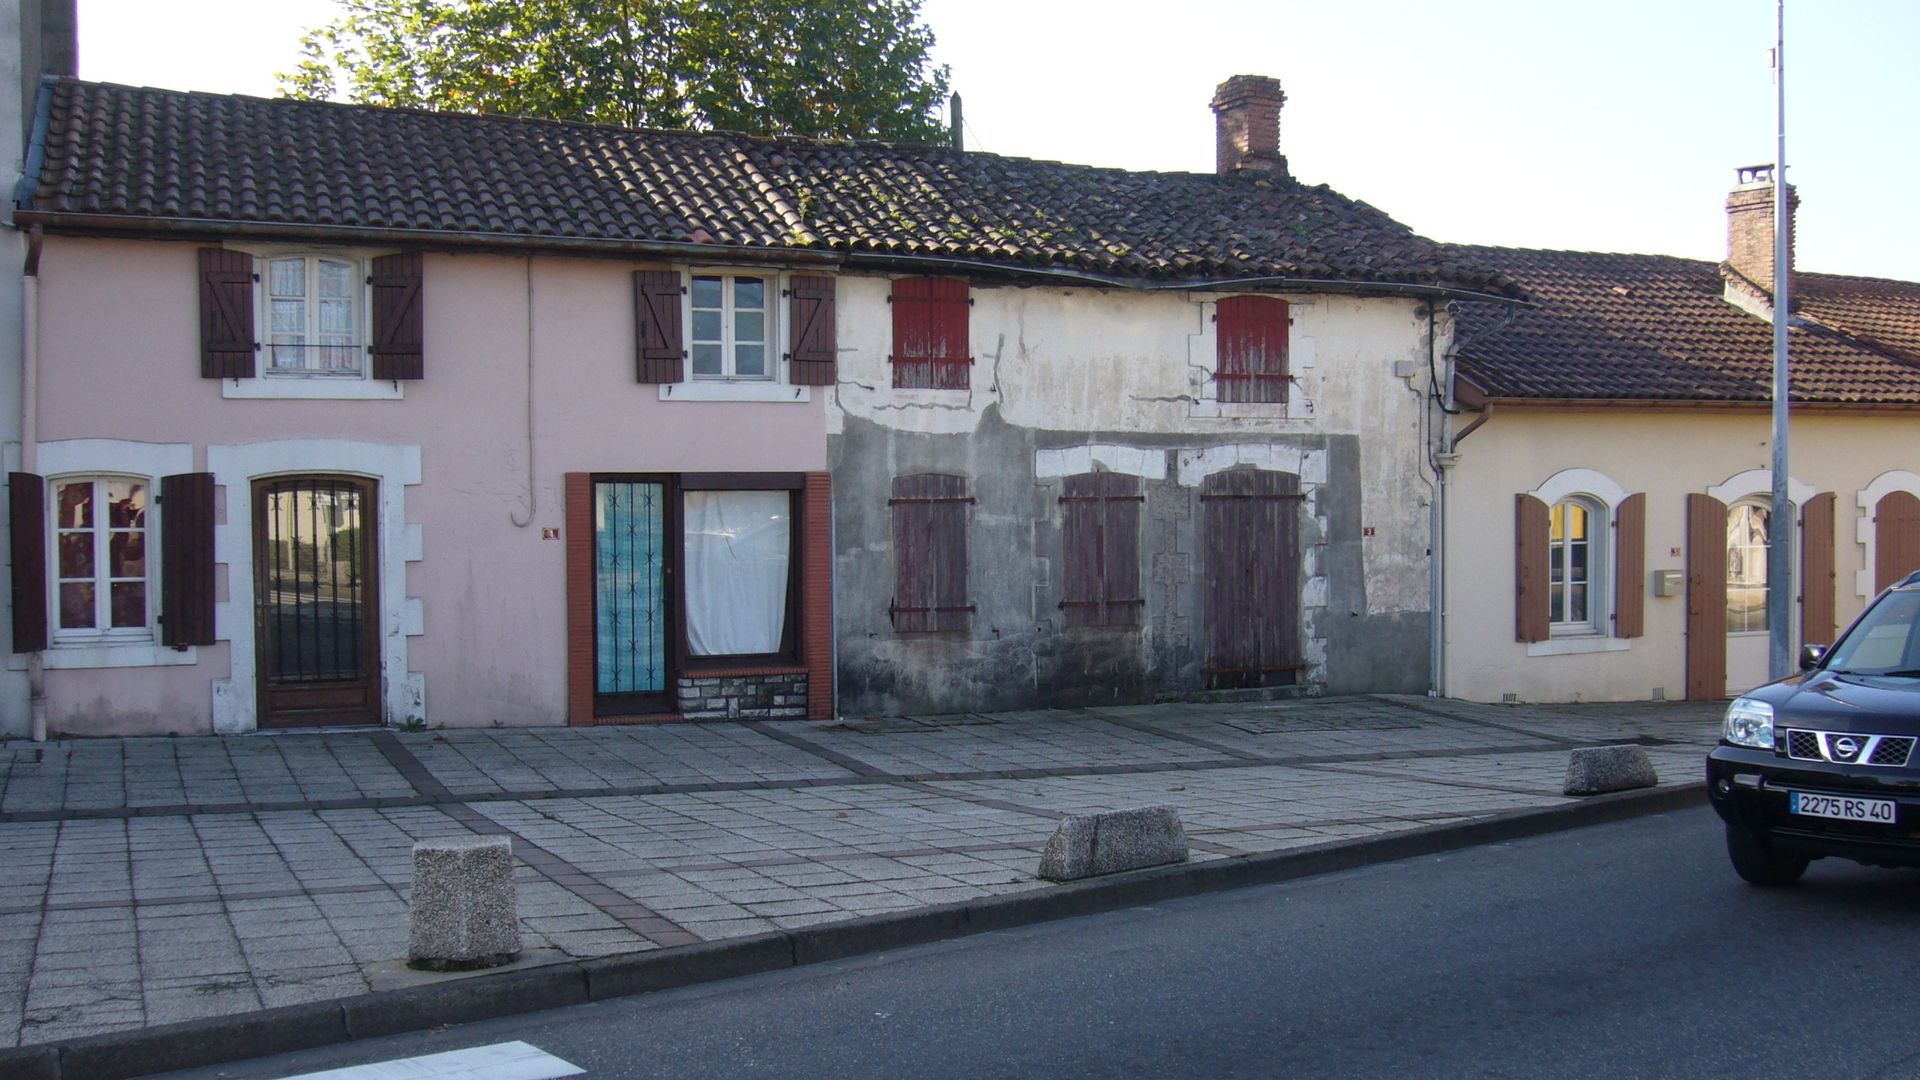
[[932, 347], [1252, 351], [930, 553], [1100, 548]]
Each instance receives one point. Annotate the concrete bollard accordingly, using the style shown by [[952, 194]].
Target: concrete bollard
[[1107, 843], [464, 912], [1596, 770]]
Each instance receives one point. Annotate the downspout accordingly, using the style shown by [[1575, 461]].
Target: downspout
[[1436, 524], [30, 445]]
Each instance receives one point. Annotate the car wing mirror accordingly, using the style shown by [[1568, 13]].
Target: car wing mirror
[[1811, 655]]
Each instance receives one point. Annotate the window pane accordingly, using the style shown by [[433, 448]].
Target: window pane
[[76, 605], [76, 554], [290, 356], [129, 600], [1577, 603], [748, 293], [1556, 602], [288, 277], [289, 318], [706, 325], [706, 292], [750, 326], [737, 547], [76, 505], [126, 504], [1557, 564], [1576, 521], [336, 278], [336, 317], [750, 359], [706, 360], [1577, 551], [127, 554]]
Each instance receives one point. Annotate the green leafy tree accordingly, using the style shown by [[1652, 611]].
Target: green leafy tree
[[825, 68]]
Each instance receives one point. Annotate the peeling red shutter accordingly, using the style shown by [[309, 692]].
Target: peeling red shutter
[[1533, 611], [1630, 567], [814, 346], [1896, 538], [1251, 354], [226, 314], [932, 334], [930, 553], [1250, 563], [1706, 597], [1100, 549], [399, 325], [186, 559], [27, 507], [1817, 598], [659, 350]]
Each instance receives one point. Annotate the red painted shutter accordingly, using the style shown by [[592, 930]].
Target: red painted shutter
[[930, 553], [1896, 538], [813, 344], [1533, 613], [1251, 334], [398, 338], [1100, 550], [1817, 599], [1630, 567], [27, 507], [932, 334], [1250, 564], [1706, 597], [226, 314], [186, 559], [659, 350]]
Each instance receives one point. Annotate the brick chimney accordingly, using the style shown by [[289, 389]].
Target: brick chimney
[[1246, 112], [1750, 226]]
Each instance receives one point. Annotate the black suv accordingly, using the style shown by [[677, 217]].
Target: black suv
[[1823, 763]]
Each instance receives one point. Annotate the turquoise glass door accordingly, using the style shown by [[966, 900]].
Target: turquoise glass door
[[631, 617]]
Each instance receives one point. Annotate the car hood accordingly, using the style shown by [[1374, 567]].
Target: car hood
[[1861, 703]]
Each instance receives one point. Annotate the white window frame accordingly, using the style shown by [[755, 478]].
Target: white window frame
[[1765, 506], [773, 360], [102, 632], [267, 383], [1599, 550], [1602, 496], [776, 387]]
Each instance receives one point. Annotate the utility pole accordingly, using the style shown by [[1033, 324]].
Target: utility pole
[[1780, 521]]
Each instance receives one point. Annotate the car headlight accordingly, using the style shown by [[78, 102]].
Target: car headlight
[[1750, 723]]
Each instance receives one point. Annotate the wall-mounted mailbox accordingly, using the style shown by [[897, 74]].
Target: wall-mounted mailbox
[[1669, 582]]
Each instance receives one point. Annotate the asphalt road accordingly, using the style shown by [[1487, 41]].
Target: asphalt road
[[1619, 950]]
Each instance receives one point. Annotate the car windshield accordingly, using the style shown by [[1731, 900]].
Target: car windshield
[[1886, 640]]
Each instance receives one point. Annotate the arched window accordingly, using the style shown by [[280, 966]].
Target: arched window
[[1746, 567], [1574, 556]]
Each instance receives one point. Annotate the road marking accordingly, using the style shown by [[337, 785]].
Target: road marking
[[501, 1061]]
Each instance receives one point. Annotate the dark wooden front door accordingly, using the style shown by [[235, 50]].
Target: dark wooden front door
[[316, 613], [1250, 522]]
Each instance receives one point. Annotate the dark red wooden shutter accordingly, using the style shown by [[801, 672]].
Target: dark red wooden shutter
[[1817, 599], [1896, 538], [814, 346], [930, 553], [186, 559], [1706, 597], [226, 314], [1100, 550], [1630, 567], [1533, 611], [398, 337], [932, 334], [1251, 332], [1250, 564], [27, 507], [659, 350]]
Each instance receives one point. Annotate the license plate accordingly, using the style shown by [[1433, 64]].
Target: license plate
[[1878, 811]]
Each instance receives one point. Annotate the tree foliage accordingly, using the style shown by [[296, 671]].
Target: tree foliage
[[825, 68]]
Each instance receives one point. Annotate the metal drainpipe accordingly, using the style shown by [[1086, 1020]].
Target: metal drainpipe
[[29, 448]]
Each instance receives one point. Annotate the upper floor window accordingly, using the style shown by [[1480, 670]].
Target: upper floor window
[[932, 333], [731, 317], [100, 540], [1251, 344], [314, 316]]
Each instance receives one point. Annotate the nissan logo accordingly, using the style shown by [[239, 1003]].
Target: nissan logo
[[1845, 748]]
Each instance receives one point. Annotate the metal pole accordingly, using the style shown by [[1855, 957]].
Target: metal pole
[[1780, 522]]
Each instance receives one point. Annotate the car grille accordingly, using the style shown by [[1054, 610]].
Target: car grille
[[1885, 751]]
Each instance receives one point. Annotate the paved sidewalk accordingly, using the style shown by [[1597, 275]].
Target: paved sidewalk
[[145, 881]]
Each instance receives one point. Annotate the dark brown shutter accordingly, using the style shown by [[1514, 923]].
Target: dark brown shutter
[[186, 559], [1896, 538], [1630, 567], [659, 351], [1706, 597], [1251, 353], [27, 507], [1100, 550], [398, 337], [226, 314], [1817, 599], [932, 334], [812, 340], [1533, 614], [930, 553], [1250, 564]]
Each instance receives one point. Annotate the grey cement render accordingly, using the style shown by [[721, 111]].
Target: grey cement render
[[463, 912], [1017, 653], [1088, 845], [1596, 770]]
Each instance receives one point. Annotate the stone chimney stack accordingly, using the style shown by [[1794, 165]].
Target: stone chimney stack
[[1246, 111], [1750, 226]]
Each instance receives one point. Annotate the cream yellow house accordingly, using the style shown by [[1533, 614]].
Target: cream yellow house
[[1607, 491]]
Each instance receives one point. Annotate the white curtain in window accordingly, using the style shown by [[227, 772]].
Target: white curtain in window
[[736, 570]]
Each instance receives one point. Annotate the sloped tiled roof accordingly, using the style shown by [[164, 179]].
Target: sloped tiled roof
[[125, 152], [1655, 327]]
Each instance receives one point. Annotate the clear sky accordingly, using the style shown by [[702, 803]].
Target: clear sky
[[1610, 126]]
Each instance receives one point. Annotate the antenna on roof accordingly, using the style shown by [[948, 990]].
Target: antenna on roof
[[954, 121]]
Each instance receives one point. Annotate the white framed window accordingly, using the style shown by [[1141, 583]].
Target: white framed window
[[1747, 532], [731, 327], [314, 313], [102, 589], [1576, 566]]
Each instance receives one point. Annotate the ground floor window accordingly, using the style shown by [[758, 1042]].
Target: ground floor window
[[1746, 568], [1570, 567], [738, 555], [100, 563]]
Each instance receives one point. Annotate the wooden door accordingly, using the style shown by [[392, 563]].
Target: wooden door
[[1250, 525], [316, 608]]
